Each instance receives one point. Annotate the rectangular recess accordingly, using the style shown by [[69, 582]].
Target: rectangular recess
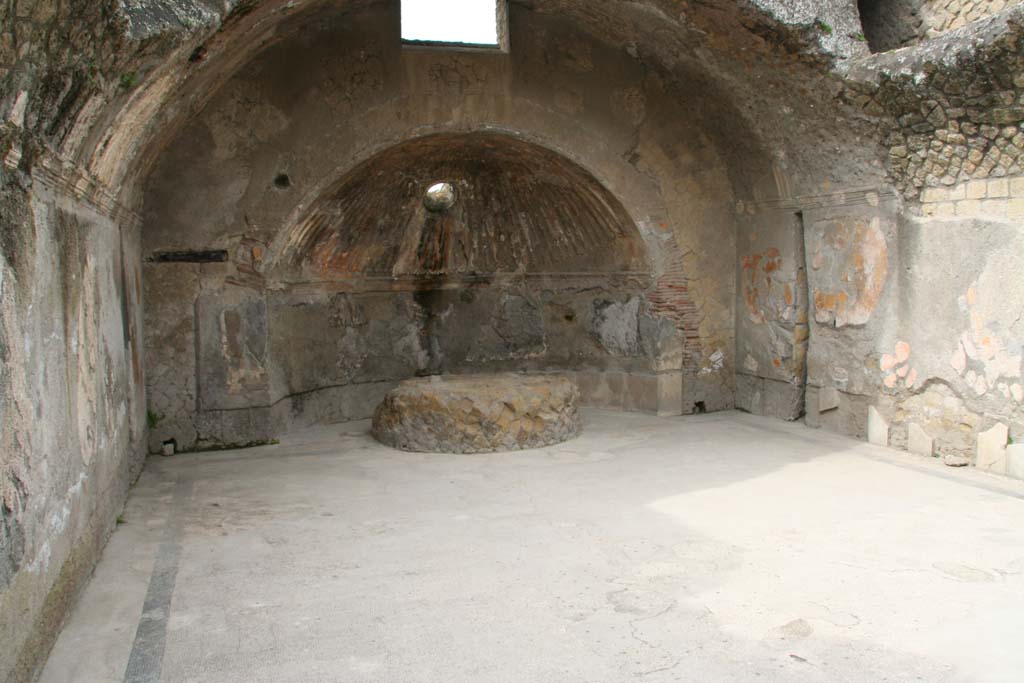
[[190, 256]]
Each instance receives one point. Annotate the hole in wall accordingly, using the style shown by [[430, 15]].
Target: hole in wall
[[473, 23], [283, 181], [700, 407], [439, 197], [890, 24]]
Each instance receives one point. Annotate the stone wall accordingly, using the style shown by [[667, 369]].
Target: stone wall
[[272, 360], [773, 168], [893, 24], [945, 15], [654, 309], [960, 335], [911, 341], [72, 420], [997, 198], [934, 362], [952, 108], [98, 90], [815, 276], [914, 335], [771, 322], [72, 408]]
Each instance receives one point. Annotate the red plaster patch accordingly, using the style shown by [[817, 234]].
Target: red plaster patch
[[902, 352]]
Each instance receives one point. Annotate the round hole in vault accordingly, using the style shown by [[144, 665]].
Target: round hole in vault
[[282, 181], [439, 197]]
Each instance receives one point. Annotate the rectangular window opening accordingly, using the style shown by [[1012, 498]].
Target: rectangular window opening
[[455, 23]]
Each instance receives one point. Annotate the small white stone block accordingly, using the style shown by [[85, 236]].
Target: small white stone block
[[1015, 460], [828, 399], [919, 442], [878, 428], [1015, 208], [991, 453], [998, 187], [968, 207]]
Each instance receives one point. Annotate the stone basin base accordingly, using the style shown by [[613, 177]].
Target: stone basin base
[[479, 413]]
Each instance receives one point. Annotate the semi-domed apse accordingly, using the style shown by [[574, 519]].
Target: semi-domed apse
[[463, 205]]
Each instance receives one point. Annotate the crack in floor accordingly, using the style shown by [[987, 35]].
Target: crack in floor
[[635, 635]]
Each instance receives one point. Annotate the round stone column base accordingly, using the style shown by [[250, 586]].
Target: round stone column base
[[479, 413]]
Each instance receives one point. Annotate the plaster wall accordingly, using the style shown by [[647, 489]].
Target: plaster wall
[[943, 357], [934, 366], [913, 322], [815, 277], [702, 118], [72, 420], [667, 329]]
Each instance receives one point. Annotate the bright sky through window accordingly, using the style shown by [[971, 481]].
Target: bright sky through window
[[471, 22]]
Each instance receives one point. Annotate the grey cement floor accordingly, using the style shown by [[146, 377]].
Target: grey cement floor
[[711, 548]]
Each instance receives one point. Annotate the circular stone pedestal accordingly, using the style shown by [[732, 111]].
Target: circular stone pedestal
[[479, 413]]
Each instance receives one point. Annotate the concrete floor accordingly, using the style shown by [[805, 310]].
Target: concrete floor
[[711, 548]]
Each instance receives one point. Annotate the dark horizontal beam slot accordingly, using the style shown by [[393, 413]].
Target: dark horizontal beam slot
[[211, 256]]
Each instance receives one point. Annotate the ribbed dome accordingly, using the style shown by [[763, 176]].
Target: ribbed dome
[[518, 208]]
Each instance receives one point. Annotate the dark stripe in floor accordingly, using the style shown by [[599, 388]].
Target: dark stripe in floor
[[146, 660]]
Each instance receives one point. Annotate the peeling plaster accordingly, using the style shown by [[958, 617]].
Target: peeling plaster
[[852, 254]]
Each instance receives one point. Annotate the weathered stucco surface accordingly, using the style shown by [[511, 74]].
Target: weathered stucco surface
[[558, 254], [72, 415], [704, 204]]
